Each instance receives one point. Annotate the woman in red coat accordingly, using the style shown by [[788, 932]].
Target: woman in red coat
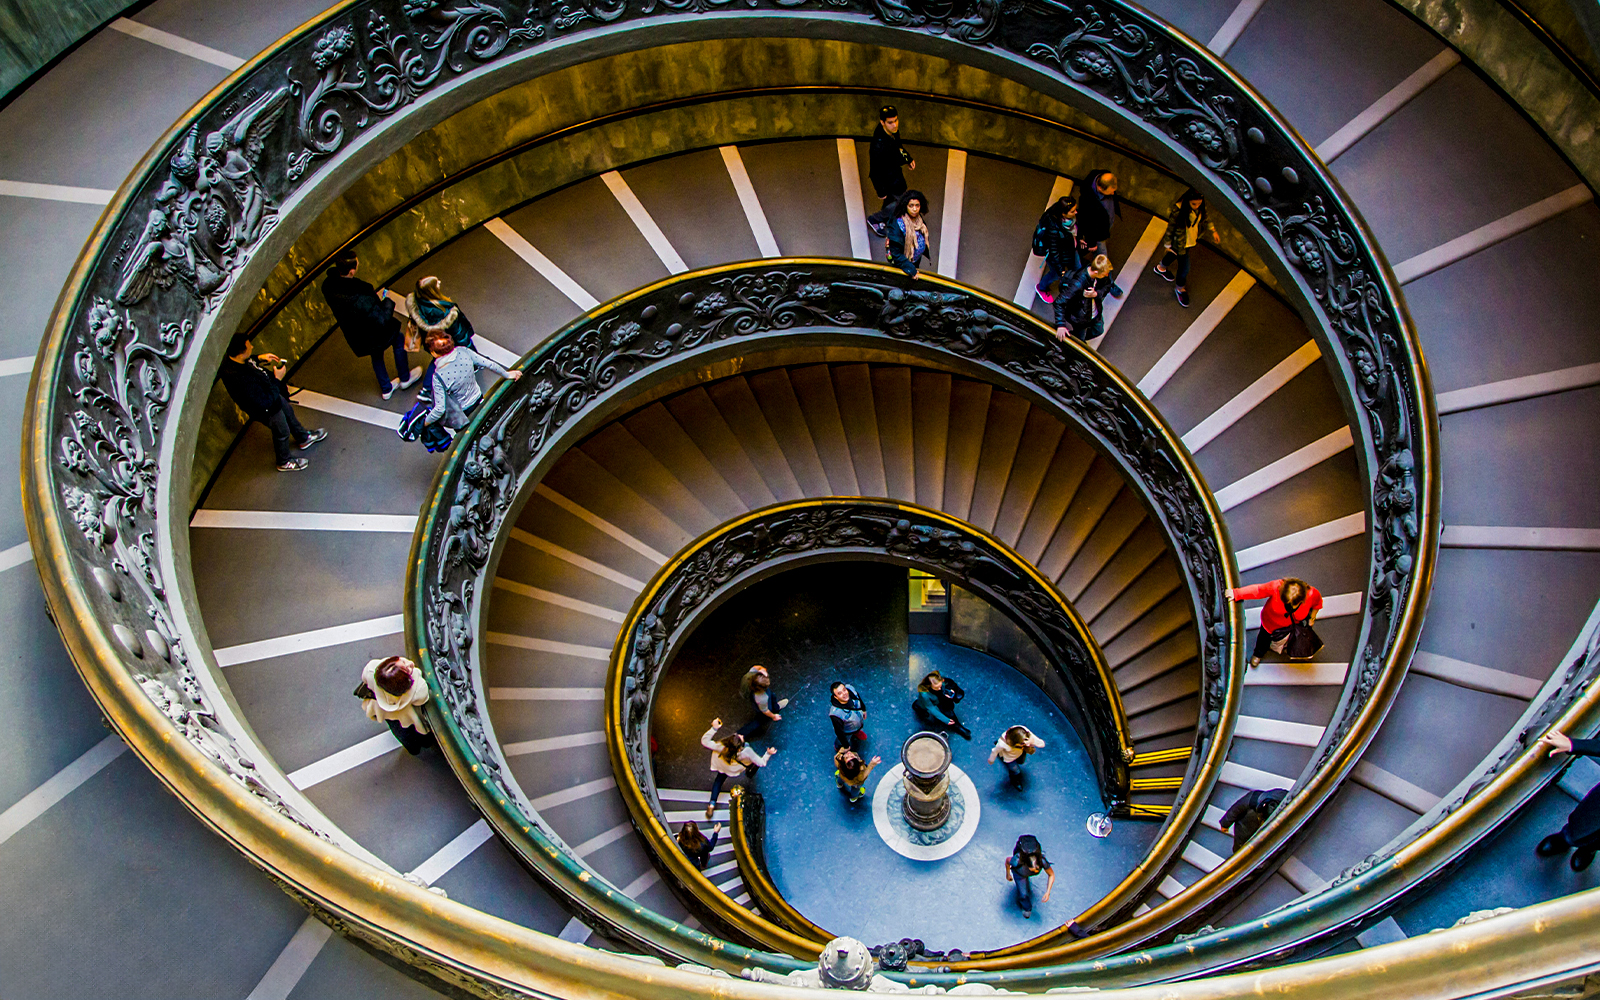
[[1288, 600]]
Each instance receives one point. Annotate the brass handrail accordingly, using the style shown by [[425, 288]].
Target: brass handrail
[[626, 688], [130, 650], [764, 894]]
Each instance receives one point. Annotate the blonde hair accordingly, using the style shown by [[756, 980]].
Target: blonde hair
[[1101, 265], [428, 288]]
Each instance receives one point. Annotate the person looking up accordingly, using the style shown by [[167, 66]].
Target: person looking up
[[1027, 860], [391, 691], [696, 846], [907, 240], [1013, 749], [935, 706], [1056, 240], [885, 157], [1289, 601], [368, 322], [264, 399], [455, 381], [850, 772], [730, 758], [755, 687], [848, 713], [1187, 223]]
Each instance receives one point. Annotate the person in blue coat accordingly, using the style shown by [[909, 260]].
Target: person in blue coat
[[935, 706], [907, 240], [1581, 835]]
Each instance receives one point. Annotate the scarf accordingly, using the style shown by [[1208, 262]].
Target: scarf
[[912, 229]]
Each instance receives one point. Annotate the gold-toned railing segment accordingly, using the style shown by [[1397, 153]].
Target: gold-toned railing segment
[[747, 834], [626, 690]]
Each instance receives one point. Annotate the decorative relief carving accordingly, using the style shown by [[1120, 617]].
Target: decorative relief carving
[[725, 563], [182, 237]]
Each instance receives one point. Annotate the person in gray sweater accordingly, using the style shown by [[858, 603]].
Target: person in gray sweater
[[455, 383]]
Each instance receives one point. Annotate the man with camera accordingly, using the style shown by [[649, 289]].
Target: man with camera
[[256, 386]]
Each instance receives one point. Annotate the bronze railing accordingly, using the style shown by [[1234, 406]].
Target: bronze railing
[[140, 328], [588, 373]]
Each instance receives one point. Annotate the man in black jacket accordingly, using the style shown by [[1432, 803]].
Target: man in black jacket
[[262, 398], [369, 323], [888, 154], [1099, 208], [1581, 835]]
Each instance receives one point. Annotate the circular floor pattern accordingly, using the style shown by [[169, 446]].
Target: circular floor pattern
[[925, 845]]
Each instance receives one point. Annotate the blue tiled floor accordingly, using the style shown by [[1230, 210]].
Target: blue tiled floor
[[813, 626]]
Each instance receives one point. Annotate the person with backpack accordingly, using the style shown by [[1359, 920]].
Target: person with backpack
[[1013, 749], [935, 706], [906, 242], [1027, 860], [1080, 307], [1187, 223], [1056, 240], [730, 758], [1291, 608], [885, 157]]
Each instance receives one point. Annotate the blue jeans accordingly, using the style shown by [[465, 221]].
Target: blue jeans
[[1052, 273], [402, 364], [1022, 885], [716, 787], [1014, 769], [855, 793], [1180, 273]]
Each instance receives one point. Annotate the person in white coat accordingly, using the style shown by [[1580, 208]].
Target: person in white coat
[[730, 758], [392, 690]]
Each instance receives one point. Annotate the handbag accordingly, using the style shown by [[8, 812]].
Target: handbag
[[1302, 641], [413, 337]]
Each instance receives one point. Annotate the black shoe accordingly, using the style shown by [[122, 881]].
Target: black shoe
[[879, 229], [1182, 295], [1580, 859], [1165, 274], [961, 731], [1116, 290], [1552, 845]]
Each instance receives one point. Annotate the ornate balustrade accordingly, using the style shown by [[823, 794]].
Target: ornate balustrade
[[788, 535], [140, 329], [592, 370]]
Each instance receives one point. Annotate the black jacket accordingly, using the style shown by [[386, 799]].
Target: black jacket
[[1583, 823], [1094, 222], [1250, 811], [258, 394], [368, 322], [1072, 308], [883, 164], [1056, 240]]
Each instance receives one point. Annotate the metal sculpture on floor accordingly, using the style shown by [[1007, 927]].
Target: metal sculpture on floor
[[926, 757]]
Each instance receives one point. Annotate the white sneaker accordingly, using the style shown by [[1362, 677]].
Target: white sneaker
[[416, 373]]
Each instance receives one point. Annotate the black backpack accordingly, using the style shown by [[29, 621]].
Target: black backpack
[[1041, 237]]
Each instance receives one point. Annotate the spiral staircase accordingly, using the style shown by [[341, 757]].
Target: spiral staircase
[[299, 579]]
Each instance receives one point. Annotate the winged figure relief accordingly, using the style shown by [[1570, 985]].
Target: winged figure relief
[[212, 208]]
